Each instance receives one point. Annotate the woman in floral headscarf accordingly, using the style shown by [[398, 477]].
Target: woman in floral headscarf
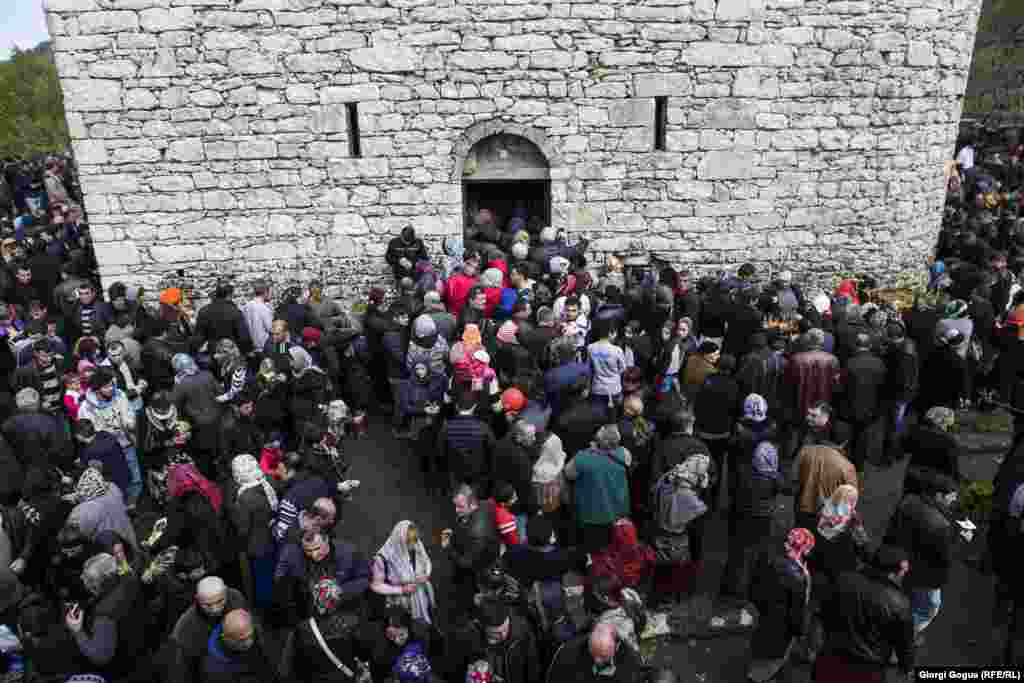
[[841, 540], [99, 507], [781, 591], [678, 511], [252, 510]]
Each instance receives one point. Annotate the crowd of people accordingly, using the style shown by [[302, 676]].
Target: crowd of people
[[171, 482]]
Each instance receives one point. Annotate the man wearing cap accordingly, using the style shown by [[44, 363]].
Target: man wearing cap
[[403, 253], [222, 319], [506, 641], [902, 372], [109, 410], [324, 357]]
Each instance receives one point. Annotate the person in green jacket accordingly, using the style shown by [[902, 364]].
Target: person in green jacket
[[601, 489]]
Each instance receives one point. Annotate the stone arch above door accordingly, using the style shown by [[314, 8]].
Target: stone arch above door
[[486, 129]]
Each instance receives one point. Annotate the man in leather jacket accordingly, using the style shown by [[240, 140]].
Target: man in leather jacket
[[866, 621], [473, 545], [922, 525], [505, 640], [902, 366], [403, 253]]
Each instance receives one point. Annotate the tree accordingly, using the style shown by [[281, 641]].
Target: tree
[[31, 105]]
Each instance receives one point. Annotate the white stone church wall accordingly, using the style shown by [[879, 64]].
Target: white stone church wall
[[212, 136]]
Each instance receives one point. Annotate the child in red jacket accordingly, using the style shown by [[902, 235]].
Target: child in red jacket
[[504, 499]]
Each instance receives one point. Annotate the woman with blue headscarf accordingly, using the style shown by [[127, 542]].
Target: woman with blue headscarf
[[195, 396]]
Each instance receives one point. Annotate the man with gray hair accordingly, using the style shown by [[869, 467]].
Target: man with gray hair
[[601, 490], [812, 373], [116, 631], [39, 438]]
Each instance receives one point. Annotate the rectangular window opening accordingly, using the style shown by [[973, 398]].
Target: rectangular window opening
[[660, 122], [352, 110]]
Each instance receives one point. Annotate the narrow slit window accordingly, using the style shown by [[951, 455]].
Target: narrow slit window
[[660, 122], [354, 149]]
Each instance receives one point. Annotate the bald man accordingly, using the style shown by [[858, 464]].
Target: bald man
[[234, 653], [597, 657], [189, 638]]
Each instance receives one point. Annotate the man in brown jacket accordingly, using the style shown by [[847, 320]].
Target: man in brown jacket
[[820, 469]]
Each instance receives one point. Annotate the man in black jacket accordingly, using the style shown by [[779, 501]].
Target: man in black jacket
[[716, 410], [403, 253], [902, 368], [222, 319], [191, 633], [867, 620], [513, 466], [861, 400], [932, 449], [465, 446], [581, 419], [597, 657], [506, 641], [923, 526], [473, 545], [743, 322]]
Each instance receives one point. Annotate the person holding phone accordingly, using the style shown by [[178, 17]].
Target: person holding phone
[[109, 629]]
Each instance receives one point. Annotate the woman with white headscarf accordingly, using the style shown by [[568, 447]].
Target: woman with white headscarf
[[252, 510], [400, 572], [310, 386]]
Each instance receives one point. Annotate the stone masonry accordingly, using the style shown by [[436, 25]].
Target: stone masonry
[[212, 135]]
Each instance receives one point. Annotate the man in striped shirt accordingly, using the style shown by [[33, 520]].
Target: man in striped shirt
[[44, 375]]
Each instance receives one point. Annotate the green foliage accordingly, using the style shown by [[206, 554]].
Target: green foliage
[[976, 498], [31, 106]]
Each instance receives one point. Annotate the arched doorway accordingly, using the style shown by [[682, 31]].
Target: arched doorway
[[502, 172]]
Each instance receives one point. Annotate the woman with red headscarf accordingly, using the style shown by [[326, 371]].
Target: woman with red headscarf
[[194, 517], [626, 558], [781, 591]]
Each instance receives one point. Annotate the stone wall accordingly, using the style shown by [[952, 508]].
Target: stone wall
[[211, 135]]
